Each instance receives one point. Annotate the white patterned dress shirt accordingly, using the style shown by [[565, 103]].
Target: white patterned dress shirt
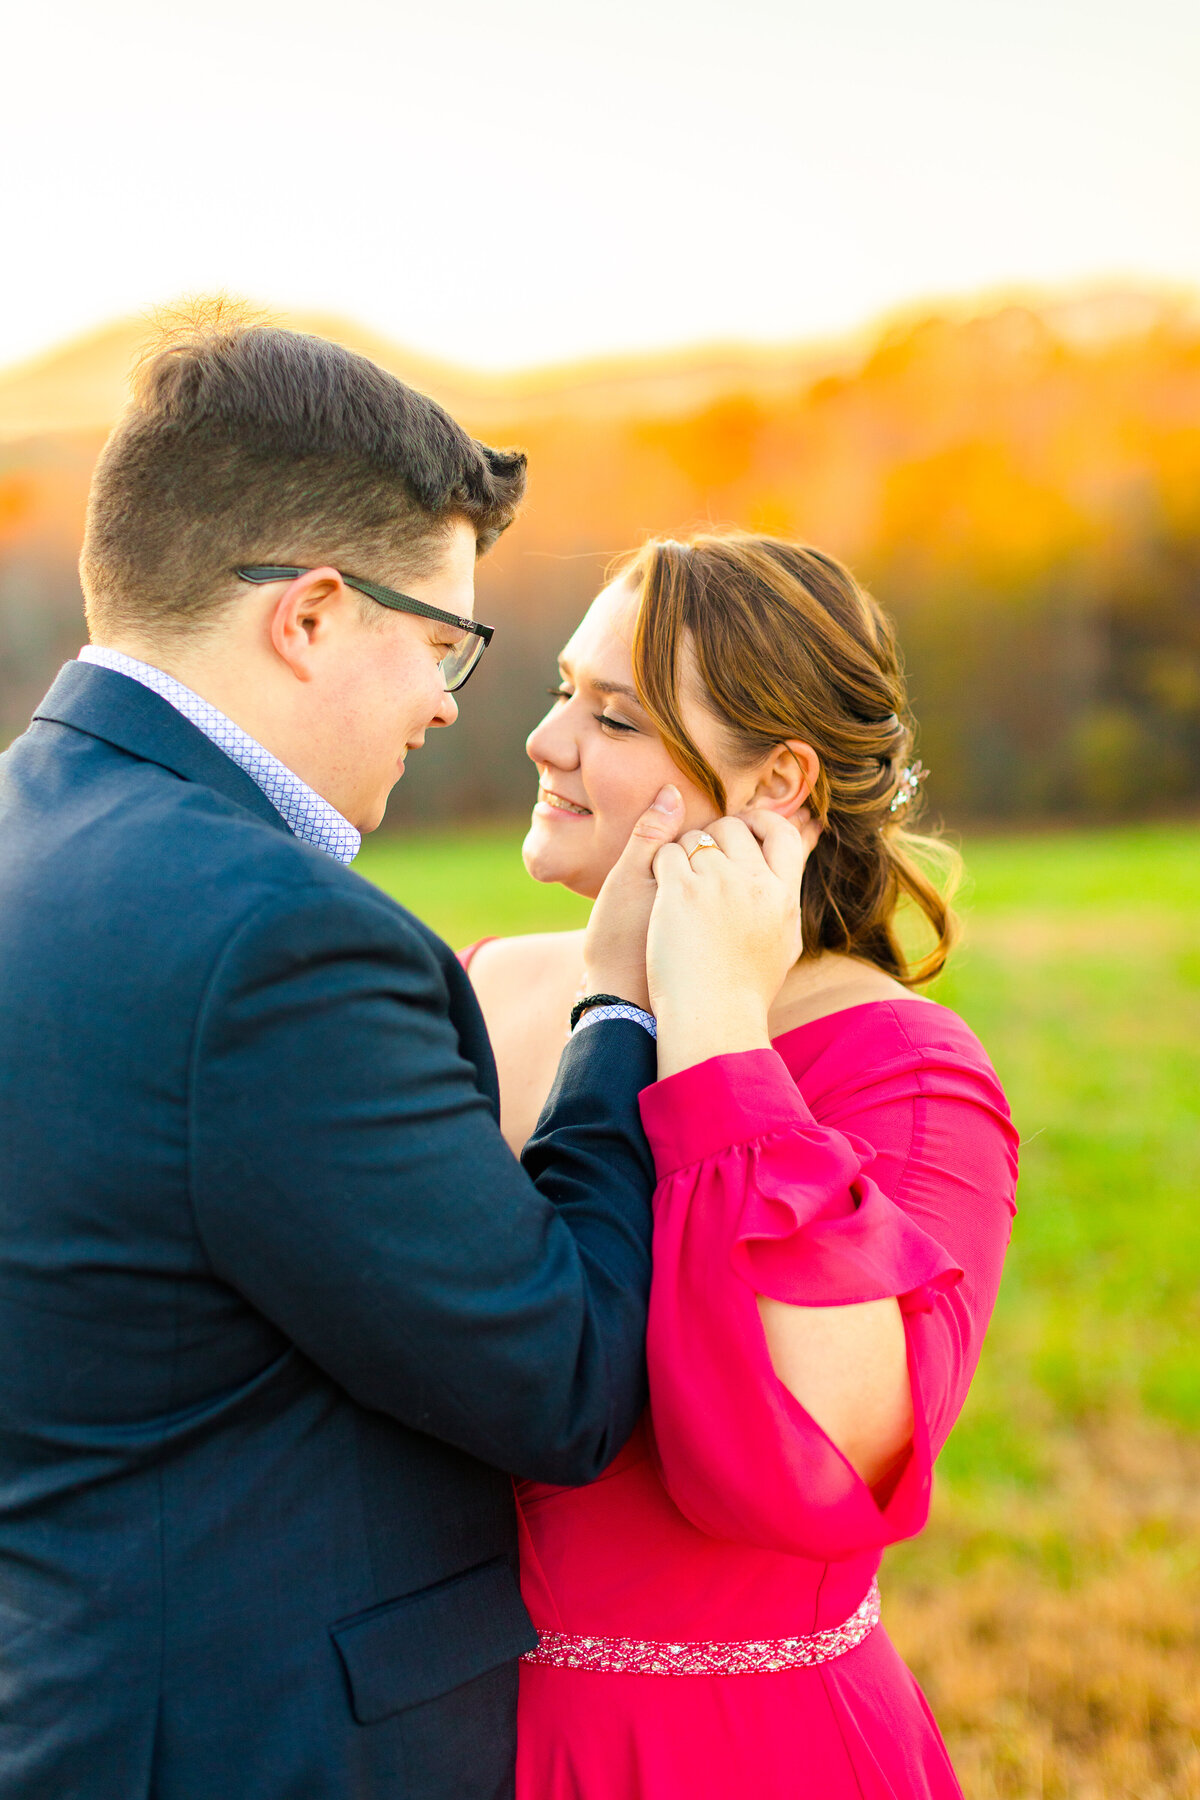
[[308, 815]]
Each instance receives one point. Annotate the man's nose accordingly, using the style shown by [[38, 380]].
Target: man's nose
[[447, 711]]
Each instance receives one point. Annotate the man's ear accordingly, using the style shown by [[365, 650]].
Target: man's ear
[[787, 778], [301, 617]]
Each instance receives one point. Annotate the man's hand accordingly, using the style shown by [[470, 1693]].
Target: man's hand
[[614, 945]]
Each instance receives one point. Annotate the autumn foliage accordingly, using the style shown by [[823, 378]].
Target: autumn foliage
[[1019, 486]]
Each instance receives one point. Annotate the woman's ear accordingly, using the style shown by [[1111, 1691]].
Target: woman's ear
[[787, 778]]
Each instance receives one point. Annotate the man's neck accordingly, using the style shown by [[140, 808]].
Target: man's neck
[[265, 698], [170, 659], [229, 693], [227, 686]]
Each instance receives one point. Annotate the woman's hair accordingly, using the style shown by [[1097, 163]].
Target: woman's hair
[[786, 644]]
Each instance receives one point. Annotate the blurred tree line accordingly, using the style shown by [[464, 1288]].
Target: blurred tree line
[[1020, 489]]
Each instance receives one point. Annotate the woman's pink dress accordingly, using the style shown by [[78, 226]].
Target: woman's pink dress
[[869, 1153]]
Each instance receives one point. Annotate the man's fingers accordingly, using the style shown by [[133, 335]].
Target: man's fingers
[[658, 825]]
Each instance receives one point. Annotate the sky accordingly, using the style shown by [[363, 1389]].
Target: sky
[[533, 181]]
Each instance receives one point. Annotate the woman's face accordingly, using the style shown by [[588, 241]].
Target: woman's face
[[600, 760]]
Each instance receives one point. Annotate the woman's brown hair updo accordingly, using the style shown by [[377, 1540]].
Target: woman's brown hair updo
[[786, 644]]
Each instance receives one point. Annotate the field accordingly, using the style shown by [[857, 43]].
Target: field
[[1052, 1609]]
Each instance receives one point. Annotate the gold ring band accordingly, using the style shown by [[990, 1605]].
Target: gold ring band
[[703, 842]]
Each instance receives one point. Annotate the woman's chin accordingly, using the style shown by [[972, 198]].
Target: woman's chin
[[546, 862], [539, 857]]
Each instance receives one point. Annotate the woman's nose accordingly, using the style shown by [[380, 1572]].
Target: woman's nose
[[553, 741]]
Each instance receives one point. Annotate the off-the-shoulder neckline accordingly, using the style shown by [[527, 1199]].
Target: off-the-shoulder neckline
[[861, 1006]]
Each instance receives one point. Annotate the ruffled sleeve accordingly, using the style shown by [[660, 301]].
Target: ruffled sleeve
[[908, 1195]]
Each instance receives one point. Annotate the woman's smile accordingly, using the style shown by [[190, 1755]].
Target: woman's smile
[[549, 803]]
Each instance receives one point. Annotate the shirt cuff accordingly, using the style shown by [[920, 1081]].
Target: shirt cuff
[[621, 1009]]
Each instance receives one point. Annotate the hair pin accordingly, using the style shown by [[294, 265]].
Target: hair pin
[[910, 786]]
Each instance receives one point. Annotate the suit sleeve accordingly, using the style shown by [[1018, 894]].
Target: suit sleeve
[[349, 1179]]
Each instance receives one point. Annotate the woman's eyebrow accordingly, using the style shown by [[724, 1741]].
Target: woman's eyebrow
[[616, 687], [598, 682]]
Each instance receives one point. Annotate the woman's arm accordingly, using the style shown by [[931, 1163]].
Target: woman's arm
[[848, 1368], [894, 1204], [846, 1365]]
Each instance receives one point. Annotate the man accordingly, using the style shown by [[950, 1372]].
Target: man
[[278, 1310]]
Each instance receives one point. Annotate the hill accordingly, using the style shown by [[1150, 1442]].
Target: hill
[[79, 388], [1019, 482]]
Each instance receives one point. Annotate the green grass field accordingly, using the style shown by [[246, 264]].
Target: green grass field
[[1051, 1610]]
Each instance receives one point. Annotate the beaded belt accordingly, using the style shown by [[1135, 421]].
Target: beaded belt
[[754, 1656]]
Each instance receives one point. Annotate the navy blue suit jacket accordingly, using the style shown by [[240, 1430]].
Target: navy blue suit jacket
[[279, 1311]]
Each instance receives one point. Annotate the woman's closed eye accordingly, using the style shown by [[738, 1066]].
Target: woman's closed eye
[[618, 725]]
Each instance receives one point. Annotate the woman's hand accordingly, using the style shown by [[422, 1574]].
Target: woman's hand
[[614, 945], [724, 932]]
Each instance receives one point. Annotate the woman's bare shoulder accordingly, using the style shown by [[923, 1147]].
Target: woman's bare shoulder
[[505, 968], [837, 984]]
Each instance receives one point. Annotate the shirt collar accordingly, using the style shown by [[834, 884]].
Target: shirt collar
[[307, 814]]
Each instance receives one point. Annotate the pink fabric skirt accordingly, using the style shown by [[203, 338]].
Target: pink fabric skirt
[[856, 1728]]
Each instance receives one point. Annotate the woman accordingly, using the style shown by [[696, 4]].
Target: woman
[[831, 1212]]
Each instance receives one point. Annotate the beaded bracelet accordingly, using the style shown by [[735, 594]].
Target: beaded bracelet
[[581, 1006], [612, 1006], [624, 1009]]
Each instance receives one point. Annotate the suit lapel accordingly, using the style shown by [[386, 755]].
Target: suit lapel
[[122, 712]]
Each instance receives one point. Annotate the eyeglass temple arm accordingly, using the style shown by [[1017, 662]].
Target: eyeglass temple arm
[[262, 572]]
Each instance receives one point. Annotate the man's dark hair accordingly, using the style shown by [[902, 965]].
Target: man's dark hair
[[245, 443]]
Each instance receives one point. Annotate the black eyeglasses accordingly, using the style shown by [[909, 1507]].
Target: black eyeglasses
[[457, 664]]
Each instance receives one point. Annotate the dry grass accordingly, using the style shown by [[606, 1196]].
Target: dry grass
[[1056, 1632]]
